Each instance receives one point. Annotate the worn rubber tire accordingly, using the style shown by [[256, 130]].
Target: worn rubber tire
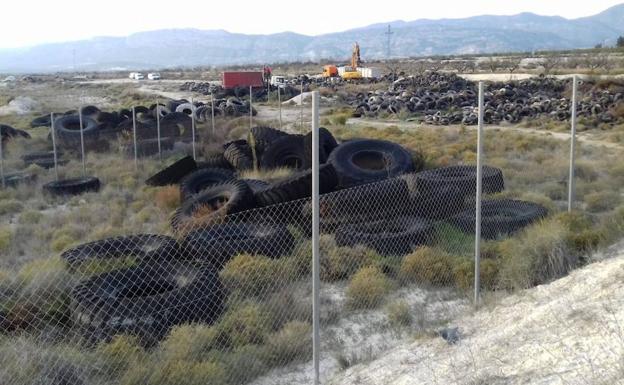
[[74, 186], [15, 179], [256, 185], [146, 248], [173, 173], [463, 177], [263, 136], [215, 161], [286, 151], [363, 161], [223, 199], [327, 144], [298, 186], [198, 180], [239, 156], [67, 129], [41, 121], [396, 236], [500, 218], [219, 243], [146, 302]]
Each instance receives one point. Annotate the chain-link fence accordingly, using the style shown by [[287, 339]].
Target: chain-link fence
[[223, 293]]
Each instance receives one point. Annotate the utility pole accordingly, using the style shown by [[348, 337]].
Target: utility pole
[[389, 34]]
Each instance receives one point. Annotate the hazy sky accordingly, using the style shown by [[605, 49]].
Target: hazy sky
[[28, 22]]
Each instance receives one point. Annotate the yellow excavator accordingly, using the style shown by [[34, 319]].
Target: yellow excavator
[[351, 72]]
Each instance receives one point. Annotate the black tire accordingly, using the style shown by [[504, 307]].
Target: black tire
[[444, 204], [73, 186], [90, 111], [144, 302], [364, 161], [219, 243], [239, 156], [149, 147], [174, 173], [327, 144], [144, 247], [463, 178], [286, 151], [500, 218], [41, 121], [67, 129], [215, 161], [197, 181], [298, 186], [256, 185], [48, 163], [389, 236], [222, 199], [30, 157], [263, 136], [176, 124], [15, 179]]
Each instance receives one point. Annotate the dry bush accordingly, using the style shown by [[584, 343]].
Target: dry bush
[[342, 262], [488, 274], [367, 288], [292, 343], [601, 201], [251, 275], [399, 314], [244, 324], [427, 265], [168, 197]]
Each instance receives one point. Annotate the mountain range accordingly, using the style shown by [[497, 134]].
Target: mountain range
[[192, 47]]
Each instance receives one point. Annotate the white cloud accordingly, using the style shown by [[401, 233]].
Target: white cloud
[[29, 22]]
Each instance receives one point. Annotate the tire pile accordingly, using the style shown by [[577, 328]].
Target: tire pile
[[371, 195], [443, 99]]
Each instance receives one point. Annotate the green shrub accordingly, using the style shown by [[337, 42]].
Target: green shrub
[[176, 372], [245, 324], [538, 254], [10, 206], [367, 288], [249, 358], [399, 314], [488, 274], [116, 356], [30, 217], [5, 237], [252, 275], [427, 265], [342, 262], [602, 201], [189, 342], [291, 343]]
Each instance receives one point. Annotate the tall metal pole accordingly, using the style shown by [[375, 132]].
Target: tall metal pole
[[571, 184], [301, 104], [134, 139], [193, 128], [158, 129], [212, 105], [2, 163], [316, 266], [56, 176], [82, 148], [250, 107], [279, 106], [477, 272]]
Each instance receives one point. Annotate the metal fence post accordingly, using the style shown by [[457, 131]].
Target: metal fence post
[[134, 139], [193, 129], [158, 129], [212, 103], [279, 106], [250, 107], [571, 183], [54, 146], [301, 105], [82, 149], [2, 164], [316, 281], [477, 272]]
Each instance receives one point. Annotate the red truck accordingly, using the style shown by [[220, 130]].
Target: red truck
[[243, 79]]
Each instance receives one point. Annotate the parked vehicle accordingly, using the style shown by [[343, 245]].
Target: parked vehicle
[[136, 76], [153, 76], [243, 79], [278, 81]]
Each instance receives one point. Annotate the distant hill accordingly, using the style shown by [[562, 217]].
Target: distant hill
[[192, 47]]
